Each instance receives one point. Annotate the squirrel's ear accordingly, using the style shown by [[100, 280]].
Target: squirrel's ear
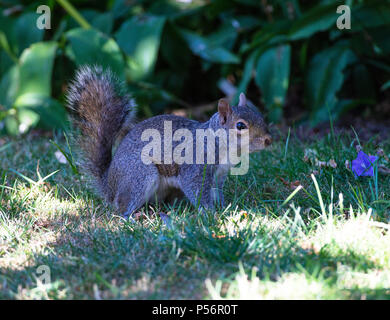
[[224, 110], [242, 102]]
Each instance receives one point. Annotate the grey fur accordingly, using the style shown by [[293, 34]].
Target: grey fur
[[104, 111]]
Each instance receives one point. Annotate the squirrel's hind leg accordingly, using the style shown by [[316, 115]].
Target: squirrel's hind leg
[[133, 196]]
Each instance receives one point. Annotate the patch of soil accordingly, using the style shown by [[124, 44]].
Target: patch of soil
[[367, 129], [370, 123]]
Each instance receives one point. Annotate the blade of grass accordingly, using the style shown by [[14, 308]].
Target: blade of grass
[[292, 195], [286, 145], [68, 158], [319, 195]]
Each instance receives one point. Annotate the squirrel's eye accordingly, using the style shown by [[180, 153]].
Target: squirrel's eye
[[240, 126]]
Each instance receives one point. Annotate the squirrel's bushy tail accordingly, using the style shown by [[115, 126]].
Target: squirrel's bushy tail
[[100, 108]]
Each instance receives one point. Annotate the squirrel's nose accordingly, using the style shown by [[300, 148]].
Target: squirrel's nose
[[267, 141]]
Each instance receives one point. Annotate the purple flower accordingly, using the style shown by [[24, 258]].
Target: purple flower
[[363, 165]]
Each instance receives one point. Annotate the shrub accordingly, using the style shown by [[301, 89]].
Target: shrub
[[174, 53]]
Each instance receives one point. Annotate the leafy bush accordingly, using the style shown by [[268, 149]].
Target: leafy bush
[[174, 53]]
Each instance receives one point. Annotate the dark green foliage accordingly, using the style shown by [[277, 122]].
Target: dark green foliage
[[173, 54]]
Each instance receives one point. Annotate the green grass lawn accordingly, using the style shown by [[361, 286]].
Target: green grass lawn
[[273, 240]]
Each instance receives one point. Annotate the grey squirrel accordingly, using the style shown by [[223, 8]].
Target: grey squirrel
[[104, 113]]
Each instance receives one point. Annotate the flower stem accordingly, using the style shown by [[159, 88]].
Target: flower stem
[[74, 13]]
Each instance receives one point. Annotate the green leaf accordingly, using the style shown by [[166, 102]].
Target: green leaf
[[268, 36], [344, 105], [363, 83], [87, 14], [325, 78], [174, 50], [27, 89], [26, 119], [224, 37], [6, 25], [35, 71], [173, 10], [20, 121], [11, 125], [51, 112], [140, 38], [375, 14], [104, 22], [7, 55], [90, 46], [121, 8], [379, 40], [9, 85], [74, 13], [272, 77], [385, 86], [244, 23], [60, 30], [320, 18], [247, 75], [25, 32], [207, 49], [100, 21]]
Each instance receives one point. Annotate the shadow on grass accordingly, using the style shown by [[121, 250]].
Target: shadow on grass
[[123, 260]]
